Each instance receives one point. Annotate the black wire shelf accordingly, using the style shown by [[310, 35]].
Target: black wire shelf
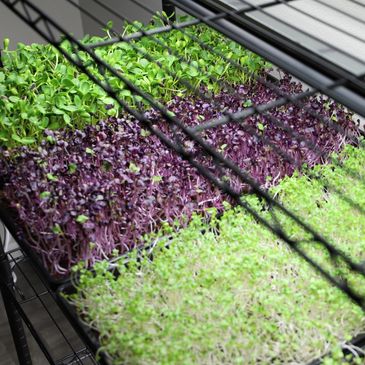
[[279, 31], [246, 22], [44, 320], [88, 335], [10, 220]]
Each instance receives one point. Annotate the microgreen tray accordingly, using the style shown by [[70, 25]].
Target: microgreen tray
[[9, 218], [355, 347]]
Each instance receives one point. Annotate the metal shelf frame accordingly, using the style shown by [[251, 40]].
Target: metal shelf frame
[[34, 16], [14, 316], [305, 65], [31, 288], [328, 79]]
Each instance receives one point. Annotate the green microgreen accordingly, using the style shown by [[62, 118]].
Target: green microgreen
[[41, 90], [229, 291]]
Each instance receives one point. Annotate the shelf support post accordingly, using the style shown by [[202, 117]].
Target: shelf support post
[[14, 318]]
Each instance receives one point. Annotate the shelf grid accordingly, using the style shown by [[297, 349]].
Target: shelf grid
[[85, 58], [331, 66], [52, 333], [246, 25]]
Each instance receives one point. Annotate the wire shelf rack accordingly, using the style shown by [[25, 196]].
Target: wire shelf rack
[[9, 218], [86, 59], [51, 337], [287, 33], [243, 22]]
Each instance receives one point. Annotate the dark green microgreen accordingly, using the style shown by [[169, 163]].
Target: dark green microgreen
[[41, 90], [72, 168]]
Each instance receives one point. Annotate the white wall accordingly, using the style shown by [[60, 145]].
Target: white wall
[[72, 19], [6, 239], [127, 8], [14, 28]]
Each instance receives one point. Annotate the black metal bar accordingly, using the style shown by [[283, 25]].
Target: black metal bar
[[290, 99], [296, 101], [309, 15], [44, 305], [358, 342], [75, 356], [169, 9], [221, 5], [293, 65], [85, 331], [279, 233], [89, 338], [340, 82], [341, 11], [8, 292], [241, 115], [269, 34], [14, 318], [228, 117]]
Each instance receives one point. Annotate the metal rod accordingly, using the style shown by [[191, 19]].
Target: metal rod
[[140, 34], [14, 318], [296, 67], [1, 59], [10, 295]]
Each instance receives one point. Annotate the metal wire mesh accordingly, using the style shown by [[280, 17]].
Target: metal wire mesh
[[284, 47], [324, 76], [45, 322]]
